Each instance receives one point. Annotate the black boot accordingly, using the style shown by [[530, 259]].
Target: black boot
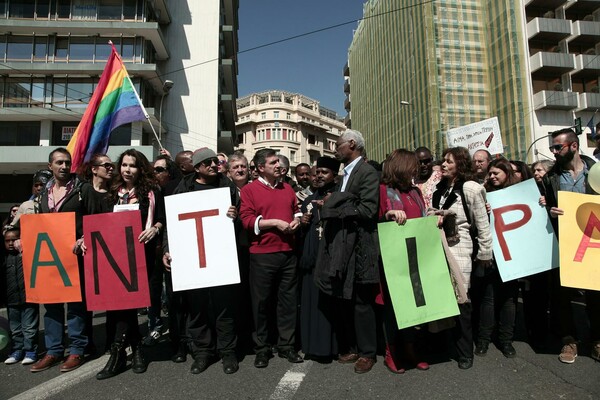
[[138, 362], [116, 363]]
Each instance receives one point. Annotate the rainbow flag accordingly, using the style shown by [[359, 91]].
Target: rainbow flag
[[114, 103]]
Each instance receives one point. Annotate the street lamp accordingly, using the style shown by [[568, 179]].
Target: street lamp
[[166, 89]]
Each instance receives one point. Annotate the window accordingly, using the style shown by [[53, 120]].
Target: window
[[62, 48], [21, 9], [263, 115], [288, 116], [41, 10], [109, 9], [84, 10], [275, 114], [312, 139], [81, 49], [292, 156], [240, 138], [19, 48], [19, 133], [63, 10], [40, 48]]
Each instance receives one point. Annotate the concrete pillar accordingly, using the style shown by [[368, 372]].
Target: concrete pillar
[[45, 132]]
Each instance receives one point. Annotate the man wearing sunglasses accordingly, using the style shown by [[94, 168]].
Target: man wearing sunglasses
[[570, 174], [202, 304]]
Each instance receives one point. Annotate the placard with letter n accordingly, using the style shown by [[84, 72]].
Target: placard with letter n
[[49, 266], [201, 239], [416, 271], [116, 276]]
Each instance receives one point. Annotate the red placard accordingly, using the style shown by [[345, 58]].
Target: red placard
[[115, 262], [49, 265]]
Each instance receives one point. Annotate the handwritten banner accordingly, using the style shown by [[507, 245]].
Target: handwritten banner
[[416, 271], [524, 241], [201, 239], [49, 265], [116, 276], [482, 135], [579, 233]]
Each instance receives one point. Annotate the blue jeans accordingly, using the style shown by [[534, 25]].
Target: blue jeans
[[24, 322], [54, 321]]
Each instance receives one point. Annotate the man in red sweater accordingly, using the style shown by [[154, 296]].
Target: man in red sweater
[[269, 210]]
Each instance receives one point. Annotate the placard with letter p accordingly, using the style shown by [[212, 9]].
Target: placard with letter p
[[416, 271], [201, 239], [116, 277]]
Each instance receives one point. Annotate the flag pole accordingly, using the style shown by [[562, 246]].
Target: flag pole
[[145, 113]]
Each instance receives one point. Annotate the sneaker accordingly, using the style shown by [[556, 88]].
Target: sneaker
[[596, 351], [152, 338], [30, 358], [568, 354], [14, 357]]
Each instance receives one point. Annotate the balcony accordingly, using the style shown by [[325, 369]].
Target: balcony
[[347, 104], [587, 66], [347, 121], [148, 72], [545, 4], [548, 29], [161, 10], [552, 100], [229, 69], [347, 86], [589, 101], [149, 30], [552, 63], [585, 33], [229, 41], [582, 6], [346, 70]]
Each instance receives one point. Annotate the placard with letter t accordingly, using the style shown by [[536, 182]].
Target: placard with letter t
[[201, 239]]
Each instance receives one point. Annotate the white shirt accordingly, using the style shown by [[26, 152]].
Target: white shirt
[[347, 171]]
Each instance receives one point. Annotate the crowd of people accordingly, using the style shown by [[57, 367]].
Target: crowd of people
[[312, 282]]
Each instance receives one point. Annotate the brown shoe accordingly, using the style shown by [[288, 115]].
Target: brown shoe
[[45, 363], [348, 358], [364, 364], [74, 361]]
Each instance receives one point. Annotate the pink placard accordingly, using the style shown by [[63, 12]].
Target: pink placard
[[115, 262]]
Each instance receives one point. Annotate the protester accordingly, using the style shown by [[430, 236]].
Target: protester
[[269, 209], [134, 184], [302, 174], [223, 163], [464, 201], [399, 200], [317, 310], [206, 304], [481, 161], [496, 300], [521, 170], [570, 173], [238, 170], [184, 160], [167, 174], [348, 266], [253, 171], [66, 193], [31, 206], [24, 317], [427, 178], [11, 216], [284, 164]]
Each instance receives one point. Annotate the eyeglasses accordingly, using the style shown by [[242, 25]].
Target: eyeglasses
[[209, 162], [159, 170], [556, 148], [252, 168], [106, 165], [425, 161]]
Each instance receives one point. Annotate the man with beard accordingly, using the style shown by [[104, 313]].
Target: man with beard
[[570, 174], [427, 179], [302, 173], [316, 308]]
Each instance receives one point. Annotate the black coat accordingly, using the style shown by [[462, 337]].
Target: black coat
[[12, 272]]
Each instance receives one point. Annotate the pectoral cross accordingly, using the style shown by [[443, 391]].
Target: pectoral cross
[[320, 231]]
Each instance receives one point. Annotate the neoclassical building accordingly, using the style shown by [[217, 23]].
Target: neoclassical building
[[295, 125]]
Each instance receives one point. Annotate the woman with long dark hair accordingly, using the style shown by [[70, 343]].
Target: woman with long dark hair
[[399, 200], [468, 232], [134, 184], [497, 300]]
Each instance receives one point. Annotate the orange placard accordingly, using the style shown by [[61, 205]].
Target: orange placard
[[49, 265]]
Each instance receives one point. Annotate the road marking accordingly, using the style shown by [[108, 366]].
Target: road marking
[[64, 381], [289, 384]]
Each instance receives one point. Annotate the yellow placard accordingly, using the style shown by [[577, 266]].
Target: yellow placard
[[579, 240]]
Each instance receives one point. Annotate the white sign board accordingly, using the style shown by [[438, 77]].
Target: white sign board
[[482, 135], [67, 132], [201, 239]]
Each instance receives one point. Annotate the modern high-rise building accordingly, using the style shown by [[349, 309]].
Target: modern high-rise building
[[417, 70], [180, 55], [292, 124]]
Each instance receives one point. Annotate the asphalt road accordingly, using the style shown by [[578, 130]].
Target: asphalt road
[[530, 375]]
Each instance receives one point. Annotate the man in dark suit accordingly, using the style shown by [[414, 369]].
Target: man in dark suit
[[348, 259]]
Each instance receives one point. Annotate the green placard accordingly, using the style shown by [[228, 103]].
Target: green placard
[[416, 271]]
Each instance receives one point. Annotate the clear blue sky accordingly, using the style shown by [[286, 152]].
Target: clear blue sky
[[311, 65]]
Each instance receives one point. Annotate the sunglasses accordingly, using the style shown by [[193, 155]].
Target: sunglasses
[[210, 162], [222, 162], [555, 148], [425, 161], [159, 170], [252, 168], [106, 165]]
